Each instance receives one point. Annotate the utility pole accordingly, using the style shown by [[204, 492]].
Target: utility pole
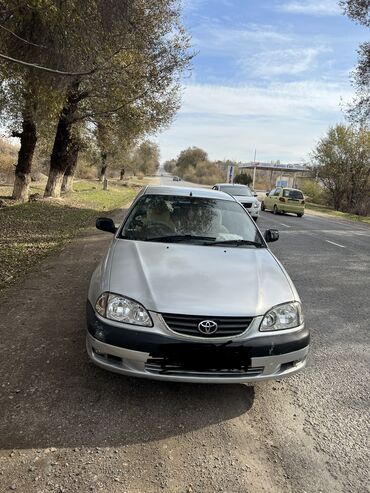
[[254, 170]]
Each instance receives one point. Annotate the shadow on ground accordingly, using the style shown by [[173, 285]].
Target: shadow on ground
[[52, 396]]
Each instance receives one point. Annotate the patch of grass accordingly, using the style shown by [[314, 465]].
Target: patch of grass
[[331, 212], [91, 195], [31, 231]]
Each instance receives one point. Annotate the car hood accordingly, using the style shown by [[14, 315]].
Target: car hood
[[199, 280]]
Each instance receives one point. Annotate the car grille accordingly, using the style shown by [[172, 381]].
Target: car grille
[[161, 367], [188, 325], [247, 205]]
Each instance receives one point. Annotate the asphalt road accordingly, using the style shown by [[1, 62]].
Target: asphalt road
[[68, 426]]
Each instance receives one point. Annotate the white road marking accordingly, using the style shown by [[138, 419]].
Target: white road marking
[[336, 244], [286, 225]]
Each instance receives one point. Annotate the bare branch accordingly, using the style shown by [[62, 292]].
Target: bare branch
[[21, 39], [46, 69]]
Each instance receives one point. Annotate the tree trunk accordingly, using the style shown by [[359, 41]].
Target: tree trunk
[[103, 172], [122, 173], [104, 166], [25, 155], [63, 141], [67, 183]]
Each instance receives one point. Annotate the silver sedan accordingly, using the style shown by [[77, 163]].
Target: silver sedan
[[189, 291]]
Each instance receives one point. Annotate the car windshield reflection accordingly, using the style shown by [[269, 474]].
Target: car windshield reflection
[[199, 220]]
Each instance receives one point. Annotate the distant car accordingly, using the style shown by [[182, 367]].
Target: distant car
[[189, 291], [283, 199], [176, 178], [244, 195]]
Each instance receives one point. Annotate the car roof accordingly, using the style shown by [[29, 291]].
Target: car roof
[[186, 191], [289, 188]]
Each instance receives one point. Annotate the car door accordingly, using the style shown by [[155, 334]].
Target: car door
[[277, 195], [269, 202], [275, 198]]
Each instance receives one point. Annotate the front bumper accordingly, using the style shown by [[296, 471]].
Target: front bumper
[[139, 353]]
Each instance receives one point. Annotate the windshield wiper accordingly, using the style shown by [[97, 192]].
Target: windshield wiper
[[180, 238], [236, 243]]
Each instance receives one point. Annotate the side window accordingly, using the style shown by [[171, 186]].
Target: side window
[[215, 187], [272, 192], [277, 192]]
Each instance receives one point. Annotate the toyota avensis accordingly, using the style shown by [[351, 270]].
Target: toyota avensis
[[189, 291]]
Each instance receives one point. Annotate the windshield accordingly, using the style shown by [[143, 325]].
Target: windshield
[[293, 194], [190, 220], [236, 190]]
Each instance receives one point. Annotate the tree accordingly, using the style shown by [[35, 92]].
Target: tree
[[139, 83], [359, 111], [26, 97], [170, 166], [189, 158], [244, 179], [114, 57], [145, 158], [343, 158]]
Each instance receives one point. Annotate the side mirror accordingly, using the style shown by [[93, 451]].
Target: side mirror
[[271, 235], [255, 195], [267, 194], [106, 224]]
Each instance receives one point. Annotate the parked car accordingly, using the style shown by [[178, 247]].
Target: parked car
[[176, 178], [284, 200], [189, 291], [244, 195]]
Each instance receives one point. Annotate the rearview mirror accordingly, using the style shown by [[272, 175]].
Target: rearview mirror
[[106, 224], [271, 235]]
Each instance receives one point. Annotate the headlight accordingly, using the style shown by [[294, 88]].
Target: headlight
[[285, 316], [122, 309], [256, 205]]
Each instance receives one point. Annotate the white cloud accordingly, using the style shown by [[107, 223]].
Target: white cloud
[[281, 120], [311, 7], [291, 61], [235, 40], [277, 99]]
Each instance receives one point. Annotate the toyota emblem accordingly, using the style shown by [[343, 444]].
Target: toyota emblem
[[207, 327]]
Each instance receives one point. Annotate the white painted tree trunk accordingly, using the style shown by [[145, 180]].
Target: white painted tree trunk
[[54, 184], [67, 184], [21, 186], [105, 184]]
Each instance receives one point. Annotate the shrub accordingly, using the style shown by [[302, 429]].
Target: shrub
[[315, 193], [243, 179]]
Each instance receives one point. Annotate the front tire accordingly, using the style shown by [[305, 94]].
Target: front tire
[[255, 219], [263, 208], [299, 214], [275, 210]]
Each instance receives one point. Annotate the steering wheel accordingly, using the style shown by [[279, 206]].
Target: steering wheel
[[160, 228]]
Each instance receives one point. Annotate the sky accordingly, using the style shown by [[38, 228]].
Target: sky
[[269, 75]]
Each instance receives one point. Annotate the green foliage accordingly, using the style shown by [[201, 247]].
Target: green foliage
[[204, 172], [190, 158], [144, 159], [359, 110], [244, 179], [170, 166], [315, 193], [343, 159]]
